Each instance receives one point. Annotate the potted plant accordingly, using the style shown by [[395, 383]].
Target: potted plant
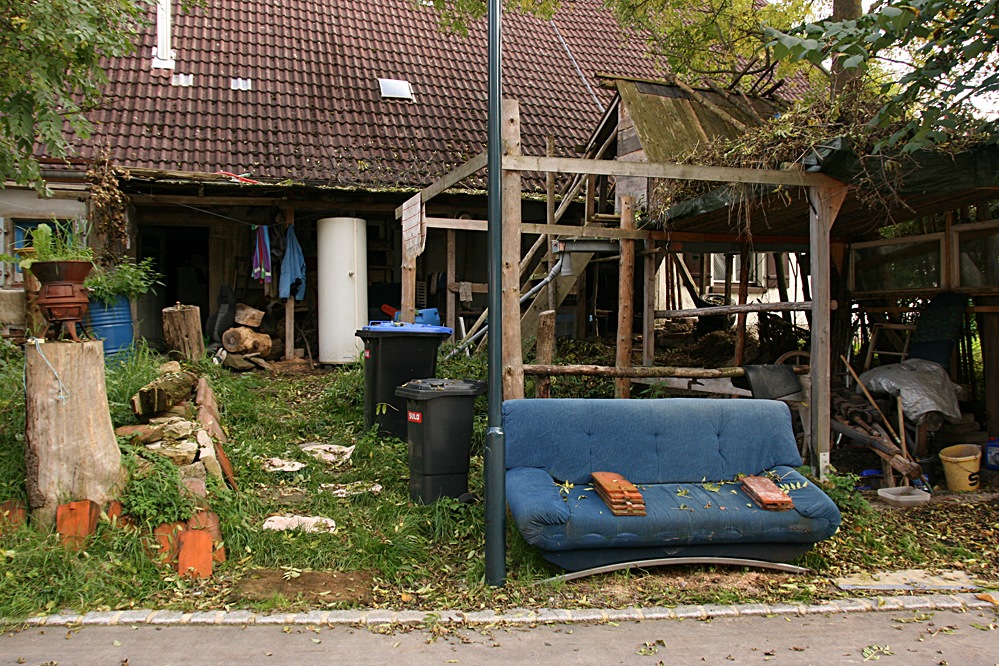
[[61, 262], [111, 291]]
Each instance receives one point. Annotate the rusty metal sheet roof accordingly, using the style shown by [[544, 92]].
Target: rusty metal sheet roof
[[307, 104]]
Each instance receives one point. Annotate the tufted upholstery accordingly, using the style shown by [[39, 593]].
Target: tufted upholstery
[[684, 454]]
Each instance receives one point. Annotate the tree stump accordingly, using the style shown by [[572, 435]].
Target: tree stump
[[243, 340], [71, 452], [182, 331]]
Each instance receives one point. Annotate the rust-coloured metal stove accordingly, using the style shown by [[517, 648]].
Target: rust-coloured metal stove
[[62, 298]]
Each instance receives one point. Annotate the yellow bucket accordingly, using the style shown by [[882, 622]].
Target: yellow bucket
[[961, 463]]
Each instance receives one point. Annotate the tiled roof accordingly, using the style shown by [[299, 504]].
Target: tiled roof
[[314, 111]]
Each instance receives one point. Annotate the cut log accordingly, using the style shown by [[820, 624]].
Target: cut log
[[71, 451], [247, 316], [163, 393], [182, 331], [243, 340]]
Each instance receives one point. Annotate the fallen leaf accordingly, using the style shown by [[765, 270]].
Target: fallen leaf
[[987, 596]]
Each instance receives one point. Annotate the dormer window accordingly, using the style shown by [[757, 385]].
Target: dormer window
[[395, 89]]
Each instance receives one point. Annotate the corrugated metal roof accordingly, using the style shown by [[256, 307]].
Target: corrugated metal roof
[[313, 110]]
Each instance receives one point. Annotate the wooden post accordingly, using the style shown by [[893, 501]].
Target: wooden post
[[740, 319], [625, 298], [581, 309], [988, 334], [781, 276], [513, 360], [729, 274], [289, 305], [182, 331], [550, 219], [545, 351], [653, 259], [825, 205], [412, 225], [451, 299], [71, 452]]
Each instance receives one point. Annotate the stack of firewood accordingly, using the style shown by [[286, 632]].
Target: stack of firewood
[[621, 495], [246, 347]]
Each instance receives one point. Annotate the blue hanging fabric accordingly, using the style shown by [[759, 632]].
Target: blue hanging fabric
[[261, 255], [292, 279]]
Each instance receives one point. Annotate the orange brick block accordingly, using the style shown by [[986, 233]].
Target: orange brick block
[[13, 514], [76, 521], [168, 538], [209, 521], [196, 551]]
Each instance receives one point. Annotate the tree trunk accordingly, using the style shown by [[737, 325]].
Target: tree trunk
[[243, 340], [71, 452], [182, 331], [844, 81]]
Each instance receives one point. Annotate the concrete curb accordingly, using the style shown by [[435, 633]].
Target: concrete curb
[[516, 616]]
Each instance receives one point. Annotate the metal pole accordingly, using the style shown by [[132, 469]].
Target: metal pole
[[495, 454]]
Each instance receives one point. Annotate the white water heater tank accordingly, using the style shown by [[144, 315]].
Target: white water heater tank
[[343, 287]]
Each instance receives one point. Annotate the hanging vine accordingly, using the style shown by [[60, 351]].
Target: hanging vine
[[108, 207]]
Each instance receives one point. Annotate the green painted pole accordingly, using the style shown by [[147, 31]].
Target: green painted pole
[[495, 454]]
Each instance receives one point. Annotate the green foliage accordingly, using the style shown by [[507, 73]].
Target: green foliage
[[50, 59], [63, 243], [125, 375], [945, 49], [12, 469], [128, 279], [718, 39], [456, 15], [153, 493], [841, 489]]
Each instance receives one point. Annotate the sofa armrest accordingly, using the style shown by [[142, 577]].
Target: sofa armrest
[[810, 502], [533, 495]]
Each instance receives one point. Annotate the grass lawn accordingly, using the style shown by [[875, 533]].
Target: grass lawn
[[420, 557]]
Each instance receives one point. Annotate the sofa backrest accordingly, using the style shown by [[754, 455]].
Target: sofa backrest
[[671, 440]]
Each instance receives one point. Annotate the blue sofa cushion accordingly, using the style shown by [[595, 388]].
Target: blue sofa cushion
[[677, 514], [668, 440]]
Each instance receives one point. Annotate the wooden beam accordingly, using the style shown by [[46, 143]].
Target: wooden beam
[[513, 373], [289, 305], [740, 319], [734, 309], [652, 261], [450, 301], [545, 351], [625, 298], [477, 287], [825, 204], [450, 179], [667, 171], [638, 372]]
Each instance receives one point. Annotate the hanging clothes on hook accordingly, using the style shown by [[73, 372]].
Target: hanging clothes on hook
[[261, 255], [292, 279]]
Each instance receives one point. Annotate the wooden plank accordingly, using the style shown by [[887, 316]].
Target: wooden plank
[[289, 305], [734, 309], [609, 371], [450, 179], [652, 260], [450, 301], [825, 205], [513, 374], [740, 318], [667, 171], [545, 351], [477, 287], [625, 298]]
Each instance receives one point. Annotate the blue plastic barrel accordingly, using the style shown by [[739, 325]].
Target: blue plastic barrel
[[111, 323]]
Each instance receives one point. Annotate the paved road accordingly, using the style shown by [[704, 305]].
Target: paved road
[[912, 637]]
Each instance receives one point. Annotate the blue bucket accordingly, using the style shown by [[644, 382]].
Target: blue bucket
[[111, 323]]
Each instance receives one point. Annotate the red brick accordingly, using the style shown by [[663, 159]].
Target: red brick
[[209, 521], [140, 434], [13, 514], [168, 537], [76, 521], [195, 557]]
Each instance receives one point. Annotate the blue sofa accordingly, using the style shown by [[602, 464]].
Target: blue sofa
[[684, 454]]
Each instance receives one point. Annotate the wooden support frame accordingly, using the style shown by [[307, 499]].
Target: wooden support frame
[[625, 298], [825, 204]]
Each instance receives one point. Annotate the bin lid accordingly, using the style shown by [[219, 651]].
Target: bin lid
[[428, 389], [378, 328]]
